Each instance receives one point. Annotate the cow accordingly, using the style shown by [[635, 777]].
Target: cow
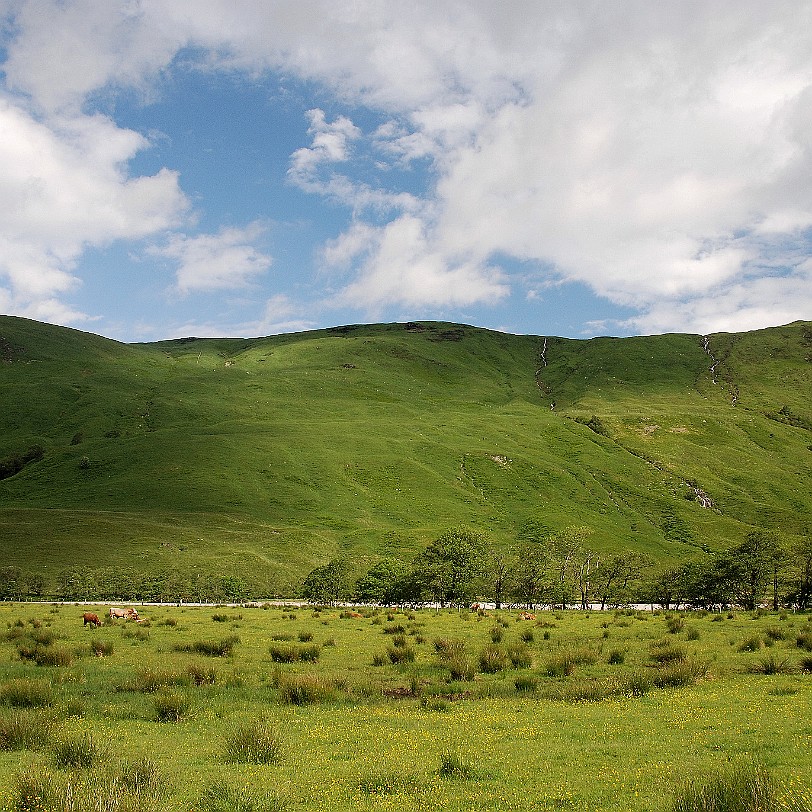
[[128, 614], [527, 616], [91, 618]]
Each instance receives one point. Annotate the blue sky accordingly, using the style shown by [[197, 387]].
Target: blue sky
[[242, 168]]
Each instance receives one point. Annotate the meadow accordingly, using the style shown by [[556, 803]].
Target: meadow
[[260, 708]]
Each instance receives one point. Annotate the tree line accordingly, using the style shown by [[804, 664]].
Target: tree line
[[542, 568], [561, 569]]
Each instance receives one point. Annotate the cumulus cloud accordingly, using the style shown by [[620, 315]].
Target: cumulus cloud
[[661, 154], [65, 187], [222, 261]]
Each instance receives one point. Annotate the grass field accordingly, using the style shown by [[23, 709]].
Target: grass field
[[249, 708]]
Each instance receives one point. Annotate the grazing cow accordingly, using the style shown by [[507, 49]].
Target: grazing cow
[[527, 616], [128, 614], [91, 618]]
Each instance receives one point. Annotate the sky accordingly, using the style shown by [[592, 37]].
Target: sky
[[176, 168]]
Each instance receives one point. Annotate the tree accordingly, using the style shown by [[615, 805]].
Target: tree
[[801, 566], [753, 565], [566, 547], [383, 583], [531, 562], [326, 584], [498, 575], [448, 569], [614, 576], [11, 583]]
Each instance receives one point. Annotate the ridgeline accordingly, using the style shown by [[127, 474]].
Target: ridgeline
[[262, 458]]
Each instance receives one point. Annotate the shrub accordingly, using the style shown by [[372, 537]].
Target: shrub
[[256, 742], [27, 693], [675, 624], [24, 729], [616, 657], [170, 706], [79, 752]]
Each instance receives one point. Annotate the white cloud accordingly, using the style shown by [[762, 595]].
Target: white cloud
[[65, 187], [222, 261], [660, 153], [402, 266]]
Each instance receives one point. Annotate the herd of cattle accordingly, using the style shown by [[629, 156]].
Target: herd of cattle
[[92, 618]]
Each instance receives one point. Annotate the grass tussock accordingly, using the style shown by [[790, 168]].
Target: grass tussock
[[24, 692], [220, 796], [211, 648], [25, 729], [255, 742], [83, 751], [295, 653], [744, 787], [305, 689]]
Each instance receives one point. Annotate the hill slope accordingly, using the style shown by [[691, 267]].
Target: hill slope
[[262, 458]]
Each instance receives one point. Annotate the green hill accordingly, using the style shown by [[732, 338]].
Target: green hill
[[262, 458]]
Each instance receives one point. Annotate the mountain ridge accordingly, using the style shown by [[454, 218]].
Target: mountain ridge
[[264, 457]]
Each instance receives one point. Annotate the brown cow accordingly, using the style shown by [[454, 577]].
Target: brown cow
[[91, 618]]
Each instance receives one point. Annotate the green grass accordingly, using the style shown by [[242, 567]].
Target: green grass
[[605, 734], [260, 459]]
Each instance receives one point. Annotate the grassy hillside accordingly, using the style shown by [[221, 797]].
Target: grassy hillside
[[264, 457]]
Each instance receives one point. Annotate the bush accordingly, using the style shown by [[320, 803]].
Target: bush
[[616, 657], [675, 624], [27, 693], [256, 742]]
